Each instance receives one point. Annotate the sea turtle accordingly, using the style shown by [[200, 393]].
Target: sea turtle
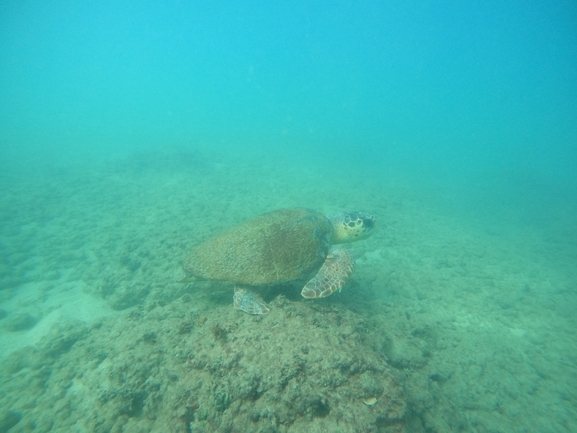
[[281, 246]]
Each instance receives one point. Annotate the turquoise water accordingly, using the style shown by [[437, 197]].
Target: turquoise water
[[131, 131]]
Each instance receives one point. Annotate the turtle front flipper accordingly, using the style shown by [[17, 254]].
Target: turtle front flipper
[[333, 275], [249, 302]]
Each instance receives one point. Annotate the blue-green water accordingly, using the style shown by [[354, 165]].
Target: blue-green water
[[449, 88], [131, 131]]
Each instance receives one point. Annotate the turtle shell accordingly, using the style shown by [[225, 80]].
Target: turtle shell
[[275, 247]]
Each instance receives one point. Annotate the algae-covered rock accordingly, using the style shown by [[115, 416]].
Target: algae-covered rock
[[20, 322], [307, 368], [9, 419]]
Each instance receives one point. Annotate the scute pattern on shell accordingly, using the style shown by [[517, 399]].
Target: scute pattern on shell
[[275, 247]]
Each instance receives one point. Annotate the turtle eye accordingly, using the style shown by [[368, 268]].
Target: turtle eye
[[368, 223]]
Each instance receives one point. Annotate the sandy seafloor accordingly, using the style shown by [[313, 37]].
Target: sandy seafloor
[[456, 318]]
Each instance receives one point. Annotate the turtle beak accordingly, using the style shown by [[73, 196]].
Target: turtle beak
[[370, 224]]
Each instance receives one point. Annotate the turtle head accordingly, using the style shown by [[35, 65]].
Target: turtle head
[[352, 226]]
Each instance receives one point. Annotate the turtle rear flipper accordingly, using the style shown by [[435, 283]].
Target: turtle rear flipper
[[249, 302], [333, 275]]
